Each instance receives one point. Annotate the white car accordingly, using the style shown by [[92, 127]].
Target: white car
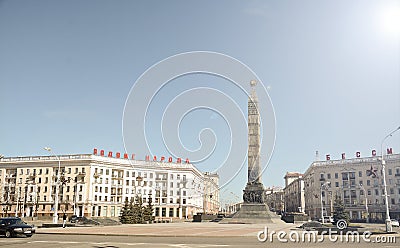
[[395, 223]]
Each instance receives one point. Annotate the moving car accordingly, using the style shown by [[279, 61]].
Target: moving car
[[13, 226], [395, 223]]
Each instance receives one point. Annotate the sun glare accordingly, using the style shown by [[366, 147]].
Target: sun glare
[[390, 20]]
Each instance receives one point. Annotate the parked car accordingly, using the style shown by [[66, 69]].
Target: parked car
[[74, 219], [395, 223], [13, 226], [327, 219]]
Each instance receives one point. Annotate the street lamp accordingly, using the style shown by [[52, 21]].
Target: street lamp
[[55, 215], [324, 185], [366, 201], [387, 221]]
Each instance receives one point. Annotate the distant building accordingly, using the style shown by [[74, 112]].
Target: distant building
[[211, 193], [294, 192], [274, 199], [356, 181], [97, 186]]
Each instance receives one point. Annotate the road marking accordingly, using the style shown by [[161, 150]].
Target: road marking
[[128, 244]]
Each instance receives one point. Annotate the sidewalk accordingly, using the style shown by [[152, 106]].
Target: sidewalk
[[185, 229]]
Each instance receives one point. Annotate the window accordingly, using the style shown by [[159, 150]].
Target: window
[[369, 192], [40, 171], [68, 188], [76, 170], [345, 176], [69, 170], [47, 171], [336, 176], [172, 177], [27, 171], [360, 182], [171, 184], [390, 172], [391, 191], [184, 177], [45, 189], [107, 172], [151, 175], [83, 169], [329, 176], [392, 200], [360, 173], [368, 183], [127, 173], [106, 190], [44, 198], [127, 182], [178, 177], [376, 192], [39, 180], [361, 192], [336, 184]]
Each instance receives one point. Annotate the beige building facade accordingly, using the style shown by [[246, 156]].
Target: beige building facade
[[97, 186], [294, 192], [358, 182]]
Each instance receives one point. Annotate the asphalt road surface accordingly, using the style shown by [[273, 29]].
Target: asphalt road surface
[[98, 241]]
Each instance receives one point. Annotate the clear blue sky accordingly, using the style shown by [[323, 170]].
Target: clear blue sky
[[332, 68]]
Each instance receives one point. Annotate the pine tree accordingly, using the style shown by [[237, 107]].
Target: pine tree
[[124, 218], [339, 211], [138, 211], [148, 211]]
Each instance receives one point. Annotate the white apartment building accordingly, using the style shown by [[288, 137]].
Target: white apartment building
[[358, 182], [97, 186]]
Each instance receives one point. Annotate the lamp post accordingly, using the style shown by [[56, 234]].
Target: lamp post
[[387, 221], [324, 185], [366, 202], [55, 215]]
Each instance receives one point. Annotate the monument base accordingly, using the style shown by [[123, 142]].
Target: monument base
[[251, 213], [253, 210]]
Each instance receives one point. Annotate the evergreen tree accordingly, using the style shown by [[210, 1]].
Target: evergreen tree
[[138, 211], [148, 211], [124, 218], [339, 211]]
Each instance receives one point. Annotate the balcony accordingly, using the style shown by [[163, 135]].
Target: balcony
[[322, 179]]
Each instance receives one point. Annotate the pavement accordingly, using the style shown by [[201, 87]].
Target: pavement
[[184, 229]]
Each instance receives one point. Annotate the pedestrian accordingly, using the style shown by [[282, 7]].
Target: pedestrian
[[64, 220]]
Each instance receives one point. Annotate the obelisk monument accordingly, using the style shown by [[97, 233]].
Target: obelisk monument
[[254, 208]]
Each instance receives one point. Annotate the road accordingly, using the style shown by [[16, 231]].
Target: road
[[101, 241]]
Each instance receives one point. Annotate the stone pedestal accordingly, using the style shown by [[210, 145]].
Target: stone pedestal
[[253, 210]]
